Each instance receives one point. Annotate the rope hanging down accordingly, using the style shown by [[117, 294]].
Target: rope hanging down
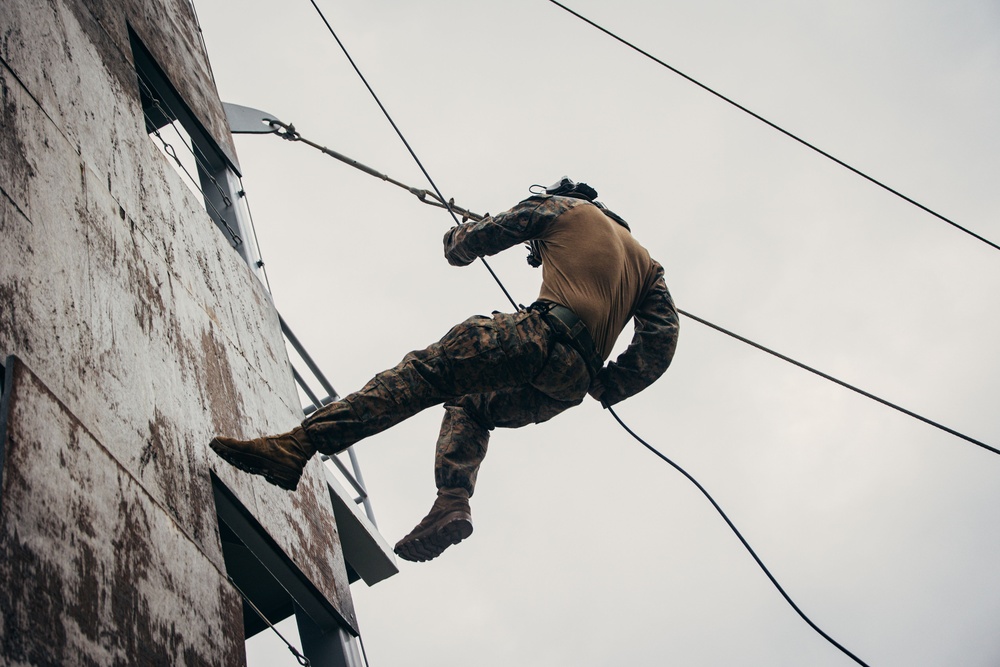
[[495, 277], [202, 160], [739, 535], [776, 126]]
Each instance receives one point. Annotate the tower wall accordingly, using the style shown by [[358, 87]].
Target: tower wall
[[138, 333]]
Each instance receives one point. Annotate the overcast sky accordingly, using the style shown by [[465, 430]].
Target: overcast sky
[[589, 551]]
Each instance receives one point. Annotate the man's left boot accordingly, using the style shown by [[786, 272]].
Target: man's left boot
[[280, 459], [449, 522]]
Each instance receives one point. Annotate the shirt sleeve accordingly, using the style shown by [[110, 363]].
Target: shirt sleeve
[[651, 350], [528, 220]]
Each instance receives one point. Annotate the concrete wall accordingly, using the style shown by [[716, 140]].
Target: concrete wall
[[141, 334]]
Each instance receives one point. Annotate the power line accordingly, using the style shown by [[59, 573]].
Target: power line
[[776, 126]]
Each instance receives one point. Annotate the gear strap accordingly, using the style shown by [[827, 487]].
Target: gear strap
[[571, 330]]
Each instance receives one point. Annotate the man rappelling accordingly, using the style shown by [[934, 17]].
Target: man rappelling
[[508, 370]]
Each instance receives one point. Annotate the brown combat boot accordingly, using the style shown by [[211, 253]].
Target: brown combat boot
[[279, 458], [449, 522]]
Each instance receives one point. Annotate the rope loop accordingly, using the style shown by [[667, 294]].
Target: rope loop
[[286, 131]]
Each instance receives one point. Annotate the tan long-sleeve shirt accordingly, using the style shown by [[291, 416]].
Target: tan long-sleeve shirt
[[593, 266]]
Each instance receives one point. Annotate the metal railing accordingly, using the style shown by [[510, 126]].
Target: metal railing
[[352, 474]]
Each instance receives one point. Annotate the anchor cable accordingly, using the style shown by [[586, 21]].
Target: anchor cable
[[301, 659]]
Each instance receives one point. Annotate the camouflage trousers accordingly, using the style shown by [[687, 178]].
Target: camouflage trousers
[[504, 371]]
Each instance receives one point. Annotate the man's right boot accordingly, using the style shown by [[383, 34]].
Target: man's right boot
[[280, 459], [449, 522]]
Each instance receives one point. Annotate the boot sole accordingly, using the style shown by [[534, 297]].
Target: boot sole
[[431, 545], [256, 465]]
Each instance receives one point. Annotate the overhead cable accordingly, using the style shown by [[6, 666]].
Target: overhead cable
[[826, 376], [495, 277], [776, 126]]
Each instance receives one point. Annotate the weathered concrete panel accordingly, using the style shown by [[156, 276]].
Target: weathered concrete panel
[[95, 572], [83, 45], [124, 297], [82, 79], [144, 330]]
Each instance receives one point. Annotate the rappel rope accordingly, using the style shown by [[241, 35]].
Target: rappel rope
[[441, 199], [413, 154], [739, 535]]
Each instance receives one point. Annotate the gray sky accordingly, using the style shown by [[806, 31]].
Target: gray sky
[[588, 550]]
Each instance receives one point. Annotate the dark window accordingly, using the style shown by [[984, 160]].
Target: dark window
[[176, 131], [273, 588]]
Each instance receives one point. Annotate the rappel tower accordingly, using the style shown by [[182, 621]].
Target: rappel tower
[[135, 324]]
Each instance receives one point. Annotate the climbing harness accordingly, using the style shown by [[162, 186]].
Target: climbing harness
[[571, 329]]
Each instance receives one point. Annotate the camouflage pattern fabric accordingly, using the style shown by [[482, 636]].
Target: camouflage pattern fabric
[[504, 371], [527, 220]]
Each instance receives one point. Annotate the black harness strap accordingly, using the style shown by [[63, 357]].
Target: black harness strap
[[571, 330]]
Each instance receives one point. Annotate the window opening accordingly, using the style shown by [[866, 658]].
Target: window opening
[[267, 650], [199, 161], [173, 141], [265, 577]]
